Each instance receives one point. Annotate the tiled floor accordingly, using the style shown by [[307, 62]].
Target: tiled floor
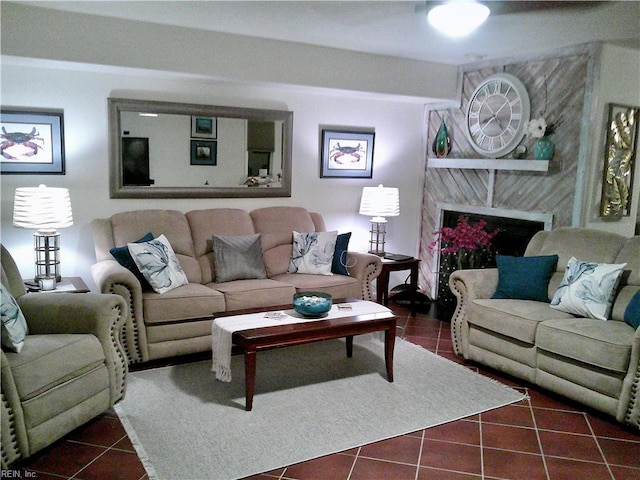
[[544, 437]]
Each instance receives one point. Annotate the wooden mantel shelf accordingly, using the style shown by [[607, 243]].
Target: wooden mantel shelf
[[489, 164]]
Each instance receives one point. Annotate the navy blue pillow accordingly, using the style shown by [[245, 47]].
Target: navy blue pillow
[[632, 313], [122, 255], [340, 255], [525, 278]]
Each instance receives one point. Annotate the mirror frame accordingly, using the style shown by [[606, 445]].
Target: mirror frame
[[118, 190]]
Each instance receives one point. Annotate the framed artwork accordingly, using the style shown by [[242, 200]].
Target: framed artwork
[[204, 152], [619, 154], [32, 141], [204, 127], [347, 154]]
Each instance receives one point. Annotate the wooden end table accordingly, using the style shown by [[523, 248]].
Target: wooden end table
[[383, 279]]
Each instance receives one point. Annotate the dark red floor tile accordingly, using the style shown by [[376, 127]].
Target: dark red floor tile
[[451, 456], [569, 445], [114, 465], [329, 467], [506, 437], [516, 415], [621, 452], [566, 469], [104, 431], [462, 431], [405, 449], [368, 469], [562, 421], [427, 473], [625, 473], [64, 458], [610, 428], [513, 465]]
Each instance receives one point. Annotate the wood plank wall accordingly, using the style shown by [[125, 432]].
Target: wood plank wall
[[557, 89]]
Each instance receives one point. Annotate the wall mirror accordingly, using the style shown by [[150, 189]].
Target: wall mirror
[[177, 150]]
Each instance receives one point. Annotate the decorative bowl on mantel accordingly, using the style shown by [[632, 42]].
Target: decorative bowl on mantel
[[312, 304]]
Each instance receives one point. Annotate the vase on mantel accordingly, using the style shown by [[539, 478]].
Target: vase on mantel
[[543, 149], [442, 143]]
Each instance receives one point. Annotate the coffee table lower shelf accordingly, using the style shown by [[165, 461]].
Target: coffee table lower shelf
[[250, 342]]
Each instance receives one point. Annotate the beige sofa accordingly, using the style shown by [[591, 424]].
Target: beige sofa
[[179, 322], [591, 361]]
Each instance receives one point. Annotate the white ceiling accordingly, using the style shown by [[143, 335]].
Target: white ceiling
[[395, 28]]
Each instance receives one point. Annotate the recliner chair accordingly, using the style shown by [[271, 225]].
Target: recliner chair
[[71, 368]]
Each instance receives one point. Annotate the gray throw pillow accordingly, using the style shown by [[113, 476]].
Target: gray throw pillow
[[238, 257]]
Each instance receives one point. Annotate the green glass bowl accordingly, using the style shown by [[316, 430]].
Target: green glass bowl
[[312, 304]]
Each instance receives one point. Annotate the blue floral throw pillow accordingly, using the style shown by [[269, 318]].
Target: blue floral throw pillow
[[123, 257], [313, 252], [14, 325], [158, 263], [588, 289]]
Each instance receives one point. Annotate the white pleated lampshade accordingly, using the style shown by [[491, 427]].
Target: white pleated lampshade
[[380, 202], [43, 208]]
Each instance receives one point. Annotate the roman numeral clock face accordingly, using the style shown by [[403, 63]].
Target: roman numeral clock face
[[497, 114]]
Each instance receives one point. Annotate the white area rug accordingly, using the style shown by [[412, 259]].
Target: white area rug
[[310, 401]]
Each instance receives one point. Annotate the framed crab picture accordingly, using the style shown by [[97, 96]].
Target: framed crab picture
[[32, 141], [347, 154]]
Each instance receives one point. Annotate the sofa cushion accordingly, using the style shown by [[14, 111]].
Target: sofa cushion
[[242, 294], [525, 278], [158, 263], [339, 263], [123, 257], [601, 344], [48, 361], [186, 302], [312, 252], [338, 286], [632, 313], [238, 257], [588, 289], [517, 319], [14, 325]]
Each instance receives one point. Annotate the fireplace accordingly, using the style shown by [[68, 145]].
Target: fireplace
[[516, 229]]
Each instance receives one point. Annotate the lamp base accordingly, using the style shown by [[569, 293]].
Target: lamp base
[[376, 240], [47, 252]]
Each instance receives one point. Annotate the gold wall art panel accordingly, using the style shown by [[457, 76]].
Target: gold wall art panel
[[619, 154]]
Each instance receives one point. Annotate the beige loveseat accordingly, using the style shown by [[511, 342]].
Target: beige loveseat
[[178, 322], [592, 361]]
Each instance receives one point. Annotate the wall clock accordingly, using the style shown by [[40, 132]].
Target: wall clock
[[497, 115]]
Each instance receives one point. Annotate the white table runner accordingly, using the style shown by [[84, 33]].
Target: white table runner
[[223, 327]]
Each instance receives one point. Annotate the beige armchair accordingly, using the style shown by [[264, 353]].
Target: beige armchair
[[71, 368]]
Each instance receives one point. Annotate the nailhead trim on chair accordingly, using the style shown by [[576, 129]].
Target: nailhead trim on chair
[[9, 457]]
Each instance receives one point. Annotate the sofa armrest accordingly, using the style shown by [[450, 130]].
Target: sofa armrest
[[87, 313], [365, 267], [467, 285], [629, 411], [111, 277]]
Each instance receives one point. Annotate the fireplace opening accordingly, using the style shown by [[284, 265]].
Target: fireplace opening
[[512, 239]]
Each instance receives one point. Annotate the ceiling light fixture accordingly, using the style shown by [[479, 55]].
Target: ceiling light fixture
[[458, 18]]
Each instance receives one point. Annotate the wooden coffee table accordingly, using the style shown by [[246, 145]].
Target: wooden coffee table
[[254, 340]]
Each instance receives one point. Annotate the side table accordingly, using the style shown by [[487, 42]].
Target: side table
[[383, 279], [69, 285]]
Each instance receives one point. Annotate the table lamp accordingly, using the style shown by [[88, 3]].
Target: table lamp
[[45, 209], [379, 202]]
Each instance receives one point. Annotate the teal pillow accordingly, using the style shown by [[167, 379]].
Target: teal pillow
[[123, 257], [339, 264], [14, 325], [632, 313], [525, 278]]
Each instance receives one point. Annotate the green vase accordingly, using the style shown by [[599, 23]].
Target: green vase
[[543, 149], [442, 143]]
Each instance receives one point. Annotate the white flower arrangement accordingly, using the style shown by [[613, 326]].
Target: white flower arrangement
[[536, 128]]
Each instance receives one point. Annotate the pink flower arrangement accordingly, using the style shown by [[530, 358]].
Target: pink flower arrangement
[[465, 240]]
